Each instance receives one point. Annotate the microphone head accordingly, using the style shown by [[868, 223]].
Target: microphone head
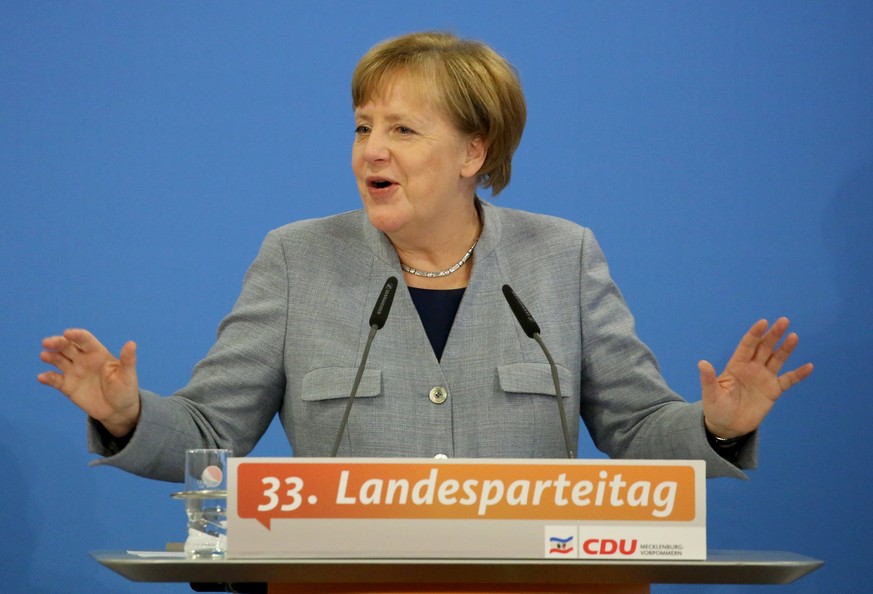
[[528, 324], [383, 304]]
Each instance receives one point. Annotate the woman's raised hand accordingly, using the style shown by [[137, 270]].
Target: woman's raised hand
[[735, 402], [104, 387]]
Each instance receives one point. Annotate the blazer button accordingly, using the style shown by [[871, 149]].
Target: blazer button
[[438, 395]]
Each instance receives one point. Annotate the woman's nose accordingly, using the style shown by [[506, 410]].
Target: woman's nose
[[376, 147]]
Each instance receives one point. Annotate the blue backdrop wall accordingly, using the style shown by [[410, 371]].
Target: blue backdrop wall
[[722, 152]]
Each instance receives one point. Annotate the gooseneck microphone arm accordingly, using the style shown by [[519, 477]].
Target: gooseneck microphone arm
[[377, 320], [532, 329]]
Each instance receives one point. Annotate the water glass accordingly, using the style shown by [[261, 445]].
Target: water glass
[[206, 503]]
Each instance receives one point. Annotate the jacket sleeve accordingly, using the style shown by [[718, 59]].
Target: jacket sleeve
[[234, 392], [626, 404]]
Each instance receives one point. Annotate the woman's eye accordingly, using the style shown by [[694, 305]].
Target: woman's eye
[[362, 129], [404, 130]]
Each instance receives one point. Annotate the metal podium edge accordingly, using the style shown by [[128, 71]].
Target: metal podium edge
[[721, 567]]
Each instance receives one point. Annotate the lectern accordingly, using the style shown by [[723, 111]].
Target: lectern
[[404, 525]]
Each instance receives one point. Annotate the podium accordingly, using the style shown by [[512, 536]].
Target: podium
[[358, 576], [455, 526]]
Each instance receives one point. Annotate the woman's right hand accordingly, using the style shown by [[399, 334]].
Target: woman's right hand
[[104, 387]]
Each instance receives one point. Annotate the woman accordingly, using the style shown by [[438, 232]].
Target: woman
[[451, 373]]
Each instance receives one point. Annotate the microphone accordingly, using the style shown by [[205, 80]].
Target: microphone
[[532, 329], [383, 304], [377, 320]]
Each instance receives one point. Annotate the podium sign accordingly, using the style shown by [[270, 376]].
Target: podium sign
[[485, 508]]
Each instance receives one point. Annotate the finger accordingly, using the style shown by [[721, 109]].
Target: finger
[[128, 357], [82, 339], [80, 342], [769, 341], [60, 344], [751, 340], [55, 358], [793, 377], [708, 378], [52, 379], [55, 343], [780, 356]]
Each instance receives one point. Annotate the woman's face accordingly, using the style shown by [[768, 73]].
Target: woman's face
[[413, 168]]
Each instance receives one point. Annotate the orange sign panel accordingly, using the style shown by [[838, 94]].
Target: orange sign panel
[[467, 491]]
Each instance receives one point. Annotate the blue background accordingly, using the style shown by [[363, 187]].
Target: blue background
[[722, 152]]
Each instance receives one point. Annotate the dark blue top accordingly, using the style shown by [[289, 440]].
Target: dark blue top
[[437, 309]]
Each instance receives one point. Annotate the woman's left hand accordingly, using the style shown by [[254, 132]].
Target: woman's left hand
[[735, 402]]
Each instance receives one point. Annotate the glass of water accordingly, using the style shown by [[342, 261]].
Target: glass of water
[[205, 498]]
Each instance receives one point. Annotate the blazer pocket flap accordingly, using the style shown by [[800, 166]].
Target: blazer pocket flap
[[329, 383], [533, 378]]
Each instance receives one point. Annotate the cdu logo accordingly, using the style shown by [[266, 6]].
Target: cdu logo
[[561, 546], [561, 542]]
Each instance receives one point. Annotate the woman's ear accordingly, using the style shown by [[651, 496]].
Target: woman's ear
[[475, 158]]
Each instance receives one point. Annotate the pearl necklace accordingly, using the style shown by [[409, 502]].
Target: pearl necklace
[[440, 273]]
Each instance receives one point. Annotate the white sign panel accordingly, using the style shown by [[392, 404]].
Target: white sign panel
[[512, 509]]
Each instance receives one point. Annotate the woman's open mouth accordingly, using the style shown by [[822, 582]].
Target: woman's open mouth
[[379, 183]]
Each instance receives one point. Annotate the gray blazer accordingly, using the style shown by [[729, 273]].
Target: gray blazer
[[292, 343]]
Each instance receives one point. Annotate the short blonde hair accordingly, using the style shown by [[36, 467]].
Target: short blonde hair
[[478, 89]]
